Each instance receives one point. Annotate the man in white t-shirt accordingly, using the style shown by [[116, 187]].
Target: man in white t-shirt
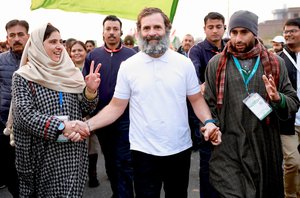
[[155, 82]]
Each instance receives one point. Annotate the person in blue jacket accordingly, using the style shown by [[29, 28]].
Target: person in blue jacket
[[17, 36], [114, 139]]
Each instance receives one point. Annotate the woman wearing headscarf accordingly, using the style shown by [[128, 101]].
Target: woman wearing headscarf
[[50, 97]]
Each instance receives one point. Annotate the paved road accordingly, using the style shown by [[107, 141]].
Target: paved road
[[103, 191]]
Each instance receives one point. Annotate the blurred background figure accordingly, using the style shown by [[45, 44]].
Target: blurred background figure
[[90, 45], [128, 41], [78, 55], [3, 46], [64, 43], [68, 44], [278, 43], [186, 44]]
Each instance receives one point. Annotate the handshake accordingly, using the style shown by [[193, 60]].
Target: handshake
[[76, 130]]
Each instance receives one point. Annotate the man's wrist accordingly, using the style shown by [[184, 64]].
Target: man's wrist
[[210, 121], [89, 126]]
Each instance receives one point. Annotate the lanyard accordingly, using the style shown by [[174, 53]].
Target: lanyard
[[237, 64], [291, 59], [61, 102]]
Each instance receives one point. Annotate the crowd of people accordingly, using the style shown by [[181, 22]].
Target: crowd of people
[[148, 107]]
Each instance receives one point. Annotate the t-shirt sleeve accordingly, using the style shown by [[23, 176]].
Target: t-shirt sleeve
[[122, 89], [193, 86]]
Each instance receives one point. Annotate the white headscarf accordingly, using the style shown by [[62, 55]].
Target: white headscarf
[[37, 66]]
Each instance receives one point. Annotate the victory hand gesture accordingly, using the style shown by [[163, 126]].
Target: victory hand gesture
[[92, 80]]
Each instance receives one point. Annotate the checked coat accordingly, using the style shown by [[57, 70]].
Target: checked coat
[[47, 168]]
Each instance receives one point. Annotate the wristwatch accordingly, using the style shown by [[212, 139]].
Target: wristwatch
[[61, 127]]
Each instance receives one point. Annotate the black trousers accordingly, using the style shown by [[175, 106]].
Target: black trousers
[[152, 172], [8, 173], [114, 142]]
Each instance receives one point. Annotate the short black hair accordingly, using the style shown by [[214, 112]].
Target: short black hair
[[293, 22], [129, 40], [15, 22], [214, 15], [112, 18], [90, 41]]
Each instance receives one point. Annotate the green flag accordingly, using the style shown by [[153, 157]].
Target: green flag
[[127, 9]]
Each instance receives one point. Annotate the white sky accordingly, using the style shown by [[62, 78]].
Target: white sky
[[188, 19]]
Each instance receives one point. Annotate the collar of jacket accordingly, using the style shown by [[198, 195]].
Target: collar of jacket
[[113, 50]]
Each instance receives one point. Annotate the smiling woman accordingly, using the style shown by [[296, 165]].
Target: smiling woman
[[53, 43], [50, 98], [78, 53]]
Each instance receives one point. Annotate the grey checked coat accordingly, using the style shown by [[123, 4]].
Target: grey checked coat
[[47, 168]]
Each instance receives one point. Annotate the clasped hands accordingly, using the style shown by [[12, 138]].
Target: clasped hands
[[212, 133], [76, 130]]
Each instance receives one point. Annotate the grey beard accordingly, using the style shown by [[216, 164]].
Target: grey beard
[[157, 49]]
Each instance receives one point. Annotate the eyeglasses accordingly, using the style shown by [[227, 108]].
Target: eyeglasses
[[293, 31]]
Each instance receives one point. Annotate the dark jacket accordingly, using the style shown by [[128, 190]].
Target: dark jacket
[[200, 54], [288, 127], [9, 63], [110, 60], [181, 51]]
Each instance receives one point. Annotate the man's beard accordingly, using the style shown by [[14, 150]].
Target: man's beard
[[154, 49], [248, 47]]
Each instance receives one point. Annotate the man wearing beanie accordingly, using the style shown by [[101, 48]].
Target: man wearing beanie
[[248, 91]]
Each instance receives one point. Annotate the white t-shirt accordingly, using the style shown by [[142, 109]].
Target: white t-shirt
[[157, 90]]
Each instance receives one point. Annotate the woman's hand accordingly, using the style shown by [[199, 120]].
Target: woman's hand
[[93, 79]]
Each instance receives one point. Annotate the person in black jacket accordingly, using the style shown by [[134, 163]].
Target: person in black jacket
[[17, 36], [290, 129]]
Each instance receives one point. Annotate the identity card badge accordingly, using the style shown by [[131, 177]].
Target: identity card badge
[[61, 137], [257, 105]]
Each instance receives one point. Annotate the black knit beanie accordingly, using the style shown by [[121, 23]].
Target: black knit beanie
[[244, 19]]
